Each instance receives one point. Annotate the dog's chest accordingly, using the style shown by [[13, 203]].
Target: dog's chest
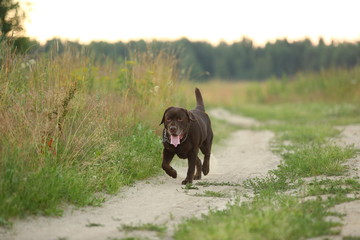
[[181, 150], [181, 154]]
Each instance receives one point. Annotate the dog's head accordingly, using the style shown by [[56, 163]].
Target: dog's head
[[176, 122]]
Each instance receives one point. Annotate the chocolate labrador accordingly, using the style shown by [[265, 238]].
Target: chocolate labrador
[[185, 132]]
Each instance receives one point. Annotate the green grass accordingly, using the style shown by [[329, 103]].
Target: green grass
[[274, 182], [281, 217], [306, 154], [302, 112], [328, 186], [42, 191], [300, 134], [308, 161], [190, 186]]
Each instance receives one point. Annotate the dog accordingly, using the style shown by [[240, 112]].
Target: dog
[[185, 132]]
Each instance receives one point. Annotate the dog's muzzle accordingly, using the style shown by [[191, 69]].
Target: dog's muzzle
[[175, 139]]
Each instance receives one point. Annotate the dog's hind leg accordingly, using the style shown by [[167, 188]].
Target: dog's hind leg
[[192, 159], [206, 165], [206, 150], [198, 169]]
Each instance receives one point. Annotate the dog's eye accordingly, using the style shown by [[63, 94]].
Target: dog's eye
[[179, 119], [168, 119]]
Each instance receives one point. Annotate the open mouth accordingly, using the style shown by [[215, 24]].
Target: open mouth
[[175, 139]]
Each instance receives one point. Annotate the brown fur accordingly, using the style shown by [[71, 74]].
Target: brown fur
[[194, 127]]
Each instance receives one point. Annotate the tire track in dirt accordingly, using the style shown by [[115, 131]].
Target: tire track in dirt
[[161, 200]]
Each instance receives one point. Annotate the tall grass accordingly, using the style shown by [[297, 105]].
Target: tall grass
[[339, 86], [70, 128], [334, 85]]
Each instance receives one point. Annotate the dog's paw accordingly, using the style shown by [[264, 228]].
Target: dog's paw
[[186, 181], [205, 169], [173, 173], [197, 177]]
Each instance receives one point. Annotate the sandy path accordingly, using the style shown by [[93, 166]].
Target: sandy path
[[351, 222], [161, 200], [225, 115]]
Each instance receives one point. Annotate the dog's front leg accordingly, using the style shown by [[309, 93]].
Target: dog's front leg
[[192, 157], [167, 158]]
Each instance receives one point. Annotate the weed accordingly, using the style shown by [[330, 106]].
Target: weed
[[144, 227], [328, 186], [62, 238], [190, 186], [276, 180], [94, 225], [207, 184], [211, 194]]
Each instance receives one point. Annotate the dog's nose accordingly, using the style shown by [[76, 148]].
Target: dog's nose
[[172, 128]]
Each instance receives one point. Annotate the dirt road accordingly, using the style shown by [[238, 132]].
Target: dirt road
[[161, 200]]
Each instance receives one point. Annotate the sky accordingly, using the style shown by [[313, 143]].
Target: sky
[[199, 20]]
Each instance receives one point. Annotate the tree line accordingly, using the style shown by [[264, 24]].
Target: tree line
[[241, 60]]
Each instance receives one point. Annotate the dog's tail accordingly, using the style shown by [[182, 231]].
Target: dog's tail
[[199, 100]]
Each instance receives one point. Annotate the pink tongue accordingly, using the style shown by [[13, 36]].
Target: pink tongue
[[175, 140]]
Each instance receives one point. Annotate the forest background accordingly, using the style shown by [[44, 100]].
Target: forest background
[[241, 60]]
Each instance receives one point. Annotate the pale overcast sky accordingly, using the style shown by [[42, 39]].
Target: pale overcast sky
[[209, 20]]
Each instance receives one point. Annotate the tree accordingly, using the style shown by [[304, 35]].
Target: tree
[[11, 17]]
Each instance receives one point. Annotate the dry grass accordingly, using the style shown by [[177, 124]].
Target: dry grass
[[330, 86], [74, 125], [56, 99], [219, 93]]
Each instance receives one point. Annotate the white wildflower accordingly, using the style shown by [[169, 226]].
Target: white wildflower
[[156, 89], [32, 62]]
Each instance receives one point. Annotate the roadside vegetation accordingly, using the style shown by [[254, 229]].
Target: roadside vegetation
[[294, 200], [71, 128]]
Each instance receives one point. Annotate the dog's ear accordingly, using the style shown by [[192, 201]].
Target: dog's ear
[[163, 118], [191, 116]]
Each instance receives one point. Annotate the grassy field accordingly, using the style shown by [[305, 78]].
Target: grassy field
[[306, 109]]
